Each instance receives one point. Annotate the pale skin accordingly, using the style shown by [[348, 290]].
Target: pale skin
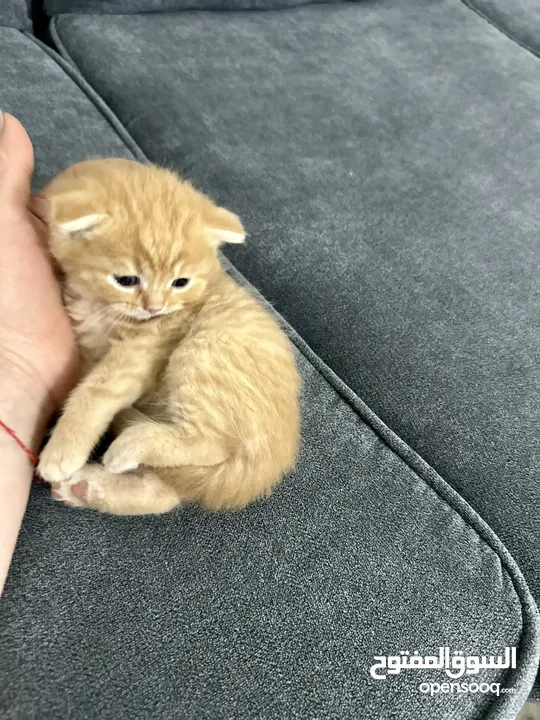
[[38, 356]]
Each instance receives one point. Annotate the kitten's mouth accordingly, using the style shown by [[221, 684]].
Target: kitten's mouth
[[140, 315], [145, 316]]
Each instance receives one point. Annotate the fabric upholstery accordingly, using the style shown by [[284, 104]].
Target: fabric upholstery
[[270, 613], [127, 7], [14, 13], [273, 612], [65, 127], [519, 19], [384, 158]]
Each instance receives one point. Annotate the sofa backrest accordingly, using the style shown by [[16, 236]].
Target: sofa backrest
[[130, 7], [15, 13]]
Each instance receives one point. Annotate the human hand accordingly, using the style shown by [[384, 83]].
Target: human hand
[[38, 355]]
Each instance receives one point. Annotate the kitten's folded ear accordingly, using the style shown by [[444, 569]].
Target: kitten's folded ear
[[225, 227], [84, 225], [71, 213]]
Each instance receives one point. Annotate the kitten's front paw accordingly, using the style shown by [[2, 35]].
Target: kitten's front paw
[[59, 460], [124, 453]]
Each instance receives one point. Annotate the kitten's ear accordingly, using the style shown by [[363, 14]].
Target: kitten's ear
[[84, 225], [72, 214], [225, 227]]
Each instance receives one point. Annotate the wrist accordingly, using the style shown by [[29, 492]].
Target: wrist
[[25, 404]]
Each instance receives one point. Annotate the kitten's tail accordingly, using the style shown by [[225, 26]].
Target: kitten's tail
[[231, 485]]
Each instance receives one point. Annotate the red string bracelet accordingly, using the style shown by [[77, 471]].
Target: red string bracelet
[[20, 443]]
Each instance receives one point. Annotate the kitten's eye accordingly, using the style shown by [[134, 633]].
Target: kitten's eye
[[126, 280], [180, 282]]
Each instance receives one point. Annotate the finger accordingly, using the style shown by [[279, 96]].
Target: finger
[[38, 207], [16, 163]]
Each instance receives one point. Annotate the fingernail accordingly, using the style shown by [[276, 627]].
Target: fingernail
[[1, 121]]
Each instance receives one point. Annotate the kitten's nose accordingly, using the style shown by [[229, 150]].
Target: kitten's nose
[[154, 309]]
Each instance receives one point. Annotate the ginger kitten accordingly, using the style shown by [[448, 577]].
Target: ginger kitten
[[196, 377]]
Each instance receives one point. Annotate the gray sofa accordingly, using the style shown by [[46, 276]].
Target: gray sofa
[[385, 159]]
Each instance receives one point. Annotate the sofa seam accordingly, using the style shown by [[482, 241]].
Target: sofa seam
[[530, 616], [73, 73], [447, 494], [481, 14]]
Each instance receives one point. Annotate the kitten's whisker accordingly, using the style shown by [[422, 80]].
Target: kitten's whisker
[[92, 322]]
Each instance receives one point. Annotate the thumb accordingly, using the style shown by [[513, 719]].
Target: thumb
[[16, 162]]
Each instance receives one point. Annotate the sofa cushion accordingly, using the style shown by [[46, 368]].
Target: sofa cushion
[[269, 613], [14, 13], [277, 611], [64, 124], [128, 7], [519, 19], [391, 198]]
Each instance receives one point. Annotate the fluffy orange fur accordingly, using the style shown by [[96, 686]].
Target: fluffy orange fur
[[199, 382]]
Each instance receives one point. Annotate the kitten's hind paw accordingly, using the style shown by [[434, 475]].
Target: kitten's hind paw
[[82, 489], [71, 493]]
